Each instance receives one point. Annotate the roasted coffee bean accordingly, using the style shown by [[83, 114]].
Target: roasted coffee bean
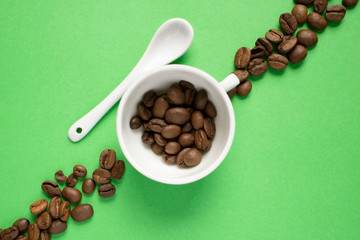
[[146, 127], [189, 96], [277, 62], [23, 237], [135, 122], [197, 120], [266, 44], [170, 159], [180, 158], [101, 175], [187, 128], [143, 112], [288, 23], [72, 180], [157, 124], [320, 6], [64, 211], [176, 95], [192, 157], [335, 13], [21, 224], [54, 207], [300, 13], [39, 206], [316, 21], [43, 221], [157, 149], [241, 74], [210, 109], [171, 131], [186, 85], [242, 57], [118, 170], [201, 140], [201, 99], [79, 171], [231, 93], [307, 38], [51, 188], [147, 138], [45, 235], [186, 139], [149, 98], [244, 88], [33, 231], [106, 190], [349, 3], [209, 127], [159, 139], [9, 233], [305, 2], [274, 36], [88, 186], [72, 194], [172, 147], [82, 212], [57, 227], [288, 44], [257, 52], [60, 177], [257, 67], [161, 105], [107, 158], [298, 54], [178, 115]]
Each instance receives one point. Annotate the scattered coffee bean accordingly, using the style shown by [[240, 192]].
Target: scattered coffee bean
[[257, 67], [288, 44], [23, 237], [57, 227], [60, 177], [43, 221], [209, 126], [298, 54], [172, 148], [33, 231], [161, 105], [118, 170], [178, 115], [242, 57], [82, 212], [277, 61], [300, 13], [170, 159], [257, 52], [316, 21], [143, 112], [106, 190], [107, 158], [307, 38], [21, 224], [192, 157], [135, 122], [201, 140], [200, 100], [180, 158], [231, 93], [349, 3], [266, 44], [72, 180], [45, 235], [72, 195], [176, 95], [9, 233], [79, 171], [149, 98], [39, 206], [186, 139], [274, 36], [288, 23], [157, 149], [51, 188], [101, 176], [305, 2], [335, 13], [210, 109], [64, 211], [54, 207], [88, 186], [320, 6], [244, 88], [147, 138]]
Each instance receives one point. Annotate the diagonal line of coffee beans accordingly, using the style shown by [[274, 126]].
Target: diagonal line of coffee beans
[[277, 48], [54, 221]]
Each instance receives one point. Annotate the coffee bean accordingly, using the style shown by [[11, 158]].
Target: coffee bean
[[257, 52], [170, 159], [349, 3], [54, 207], [159, 139], [157, 124], [72, 194], [33, 231], [305, 2], [178, 115], [146, 127], [57, 227], [307, 38], [118, 170], [277, 62], [288, 44], [39, 206], [176, 95], [107, 158], [201, 140], [192, 157], [9, 233], [51, 188], [64, 211], [257, 67], [266, 44], [300, 13], [242, 57], [197, 120], [180, 158], [21, 224], [187, 128], [82, 212], [147, 138], [274, 36], [171, 131], [316, 21], [88, 186], [45, 235], [143, 112], [43, 221], [201, 99], [320, 6], [161, 105], [209, 127], [231, 93], [288, 23], [298, 54], [60, 177], [23, 237], [149, 98], [186, 85], [172, 147], [79, 171], [186, 139], [72, 180], [210, 109], [244, 88], [135, 122], [189, 96], [241, 74], [335, 13], [106, 190], [101, 175], [157, 149]]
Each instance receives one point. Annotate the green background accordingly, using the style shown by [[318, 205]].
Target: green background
[[292, 171]]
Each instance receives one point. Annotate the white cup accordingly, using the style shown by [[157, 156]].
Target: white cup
[[141, 157]]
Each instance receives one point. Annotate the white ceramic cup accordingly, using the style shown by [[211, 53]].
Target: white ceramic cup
[[141, 156]]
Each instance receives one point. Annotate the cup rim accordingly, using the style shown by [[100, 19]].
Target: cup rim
[[225, 99]]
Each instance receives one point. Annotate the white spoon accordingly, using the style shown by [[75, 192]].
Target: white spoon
[[171, 40]]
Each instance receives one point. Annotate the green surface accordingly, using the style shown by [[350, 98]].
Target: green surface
[[293, 169]]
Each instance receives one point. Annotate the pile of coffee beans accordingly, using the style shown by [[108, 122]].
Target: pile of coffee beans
[[179, 125], [278, 48], [52, 216]]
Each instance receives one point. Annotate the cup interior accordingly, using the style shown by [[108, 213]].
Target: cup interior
[[141, 156]]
